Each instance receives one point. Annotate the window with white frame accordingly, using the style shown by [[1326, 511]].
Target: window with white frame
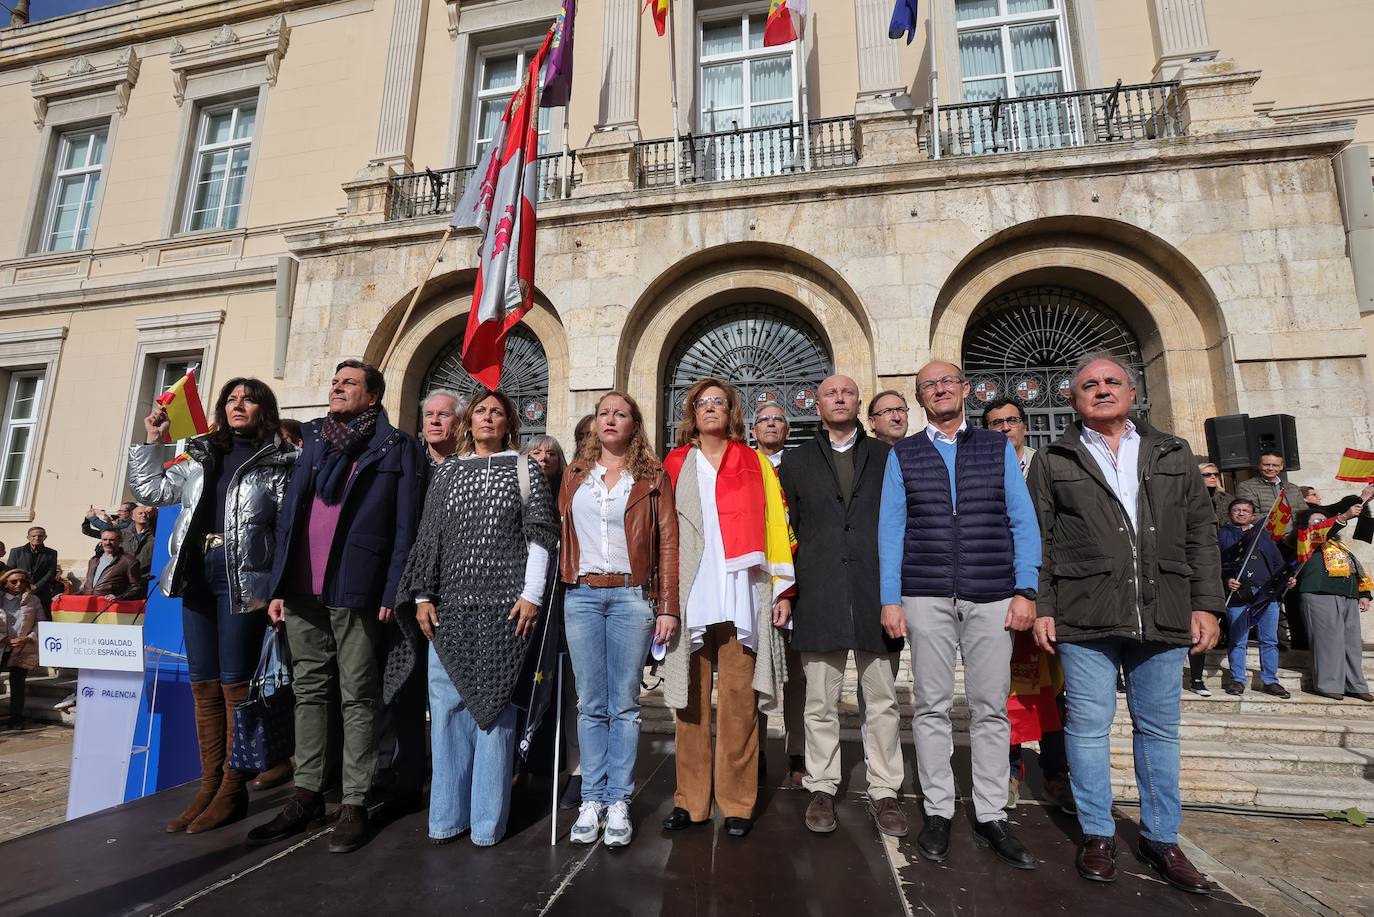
[[78, 166], [1010, 48], [17, 439], [498, 78], [219, 166], [744, 84], [166, 371]]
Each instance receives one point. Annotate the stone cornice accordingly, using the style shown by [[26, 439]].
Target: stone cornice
[[226, 49], [85, 78], [131, 22], [123, 292]]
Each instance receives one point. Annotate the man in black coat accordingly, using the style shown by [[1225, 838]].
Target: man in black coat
[[833, 485], [40, 562], [347, 521]]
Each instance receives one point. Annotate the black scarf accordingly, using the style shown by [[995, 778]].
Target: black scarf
[[343, 443]]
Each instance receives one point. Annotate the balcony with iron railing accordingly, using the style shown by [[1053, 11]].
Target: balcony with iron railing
[[419, 194], [754, 152]]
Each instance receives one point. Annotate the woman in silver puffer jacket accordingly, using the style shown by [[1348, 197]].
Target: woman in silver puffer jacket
[[229, 485]]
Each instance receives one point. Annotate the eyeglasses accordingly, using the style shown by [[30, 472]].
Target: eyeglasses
[[944, 381], [1211, 474], [709, 399], [900, 410], [1004, 423], [772, 419]]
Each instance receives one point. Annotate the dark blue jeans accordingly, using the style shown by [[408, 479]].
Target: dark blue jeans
[[220, 643]]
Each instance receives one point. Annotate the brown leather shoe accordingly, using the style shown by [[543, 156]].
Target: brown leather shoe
[[1096, 859], [820, 813], [231, 799], [1361, 695], [1172, 866], [208, 705], [892, 820], [274, 777]]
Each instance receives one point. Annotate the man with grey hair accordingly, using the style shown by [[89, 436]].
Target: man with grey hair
[[439, 414], [770, 430], [1131, 580], [888, 414]]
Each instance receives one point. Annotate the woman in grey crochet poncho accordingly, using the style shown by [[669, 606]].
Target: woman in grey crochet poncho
[[476, 575]]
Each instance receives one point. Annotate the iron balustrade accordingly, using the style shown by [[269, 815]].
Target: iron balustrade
[[418, 194], [1145, 111], [752, 152]]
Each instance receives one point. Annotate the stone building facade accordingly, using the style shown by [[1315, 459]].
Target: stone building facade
[[818, 215]]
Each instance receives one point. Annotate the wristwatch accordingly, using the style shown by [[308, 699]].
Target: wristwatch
[[1028, 594]]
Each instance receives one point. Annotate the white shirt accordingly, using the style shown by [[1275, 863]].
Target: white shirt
[[1027, 453], [1120, 468], [847, 443], [598, 516], [718, 595], [934, 432], [776, 458]]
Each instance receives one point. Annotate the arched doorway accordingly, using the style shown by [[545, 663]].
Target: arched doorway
[[524, 377], [1025, 342], [766, 351]]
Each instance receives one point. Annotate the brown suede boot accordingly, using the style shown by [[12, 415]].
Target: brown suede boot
[[208, 700], [231, 800]]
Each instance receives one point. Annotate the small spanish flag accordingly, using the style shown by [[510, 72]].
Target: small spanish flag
[[784, 22], [1312, 537], [1280, 518], [660, 8], [1356, 466], [185, 414]]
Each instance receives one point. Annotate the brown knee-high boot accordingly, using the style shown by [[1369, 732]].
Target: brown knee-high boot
[[208, 699], [231, 800]]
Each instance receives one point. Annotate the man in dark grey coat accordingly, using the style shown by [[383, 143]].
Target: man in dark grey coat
[[833, 485], [1130, 580]]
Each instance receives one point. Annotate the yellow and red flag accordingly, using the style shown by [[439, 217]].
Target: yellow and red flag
[[1280, 518], [185, 413], [1312, 537], [784, 22], [660, 8], [1356, 466]]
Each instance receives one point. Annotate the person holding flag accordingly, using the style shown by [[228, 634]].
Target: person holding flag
[[1335, 590], [1256, 573]]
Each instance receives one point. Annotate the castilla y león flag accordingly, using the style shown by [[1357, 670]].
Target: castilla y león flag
[[499, 200], [185, 413]]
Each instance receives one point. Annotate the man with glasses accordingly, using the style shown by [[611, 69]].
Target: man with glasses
[[1008, 417], [770, 431], [959, 555], [887, 416]]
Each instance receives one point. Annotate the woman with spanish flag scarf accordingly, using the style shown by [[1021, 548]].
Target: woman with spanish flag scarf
[[735, 561], [1335, 589]]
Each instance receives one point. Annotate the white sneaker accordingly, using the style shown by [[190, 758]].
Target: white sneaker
[[618, 830], [66, 703], [588, 825]]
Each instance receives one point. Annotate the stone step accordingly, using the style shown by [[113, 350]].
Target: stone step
[[1324, 732], [41, 695], [1246, 758], [1283, 792]]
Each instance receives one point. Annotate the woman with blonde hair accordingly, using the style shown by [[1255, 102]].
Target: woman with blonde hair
[[19, 653], [618, 561], [735, 562]]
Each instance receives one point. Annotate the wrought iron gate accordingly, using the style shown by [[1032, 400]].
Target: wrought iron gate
[[524, 377]]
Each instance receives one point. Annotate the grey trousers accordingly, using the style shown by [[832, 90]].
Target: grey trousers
[[1333, 632], [936, 628]]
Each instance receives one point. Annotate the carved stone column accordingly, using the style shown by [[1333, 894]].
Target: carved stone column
[[1180, 34], [880, 77], [396, 126], [620, 67]]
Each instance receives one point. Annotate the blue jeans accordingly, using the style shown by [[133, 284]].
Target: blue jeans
[[1267, 623], [470, 786], [220, 643], [1154, 692], [608, 633]]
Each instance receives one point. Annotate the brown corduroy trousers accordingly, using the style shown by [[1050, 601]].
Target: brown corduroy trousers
[[737, 730]]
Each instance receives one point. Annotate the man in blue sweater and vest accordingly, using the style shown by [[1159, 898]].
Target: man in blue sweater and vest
[[958, 562]]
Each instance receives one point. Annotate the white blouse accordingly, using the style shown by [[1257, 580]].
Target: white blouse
[[598, 516], [718, 595]]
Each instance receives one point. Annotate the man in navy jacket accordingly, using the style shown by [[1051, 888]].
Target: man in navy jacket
[[344, 531]]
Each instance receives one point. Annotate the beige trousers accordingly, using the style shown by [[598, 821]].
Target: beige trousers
[[882, 721]]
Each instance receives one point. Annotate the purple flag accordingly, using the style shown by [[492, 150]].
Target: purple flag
[[558, 70]]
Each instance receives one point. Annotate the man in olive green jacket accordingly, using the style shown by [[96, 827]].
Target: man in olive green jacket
[[1130, 580]]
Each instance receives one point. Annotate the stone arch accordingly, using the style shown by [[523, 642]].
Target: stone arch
[[439, 318], [1157, 292], [751, 272]]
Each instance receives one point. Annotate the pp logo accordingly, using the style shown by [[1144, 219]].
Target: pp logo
[[52, 644], [88, 691]]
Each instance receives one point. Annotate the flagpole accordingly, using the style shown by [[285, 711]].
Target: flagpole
[[806, 120], [557, 740], [565, 173], [934, 84], [396, 335], [672, 76], [1264, 530]]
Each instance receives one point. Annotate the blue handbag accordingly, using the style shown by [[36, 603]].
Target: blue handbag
[[265, 724]]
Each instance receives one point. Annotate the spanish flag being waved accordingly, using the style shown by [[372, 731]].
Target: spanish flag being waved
[[784, 22], [1356, 466], [660, 8], [185, 414], [1313, 537]]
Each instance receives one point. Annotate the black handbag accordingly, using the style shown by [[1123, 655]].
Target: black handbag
[[265, 724]]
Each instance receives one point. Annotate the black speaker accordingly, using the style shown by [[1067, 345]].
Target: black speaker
[[1228, 443], [1275, 433]]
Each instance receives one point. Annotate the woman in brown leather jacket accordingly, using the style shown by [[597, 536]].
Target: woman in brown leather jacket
[[619, 562]]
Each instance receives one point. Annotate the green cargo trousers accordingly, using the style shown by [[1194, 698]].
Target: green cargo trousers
[[334, 654]]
